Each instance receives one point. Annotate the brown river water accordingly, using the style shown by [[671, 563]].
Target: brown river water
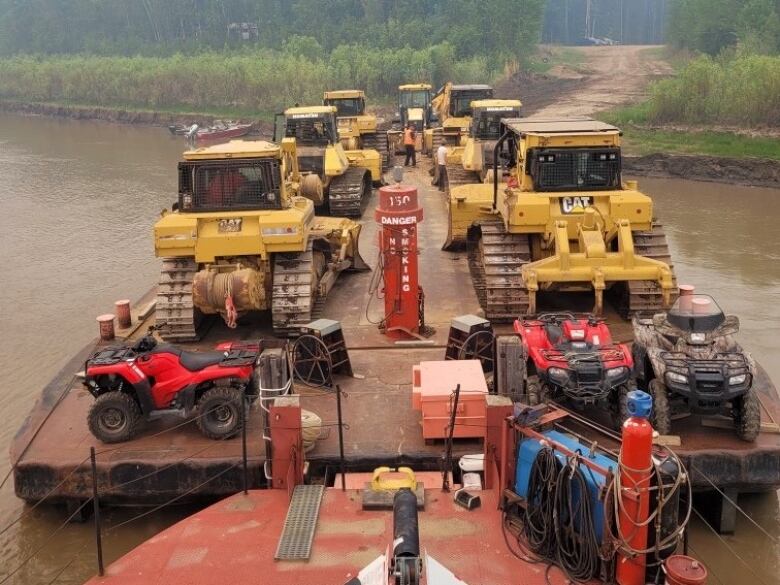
[[77, 201]]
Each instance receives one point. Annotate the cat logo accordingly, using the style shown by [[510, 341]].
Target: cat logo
[[576, 204]]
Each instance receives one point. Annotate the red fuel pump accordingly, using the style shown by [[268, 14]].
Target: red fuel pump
[[635, 477], [398, 214]]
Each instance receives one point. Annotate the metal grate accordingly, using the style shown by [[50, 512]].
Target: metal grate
[[226, 186], [575, 169], [300, 524]]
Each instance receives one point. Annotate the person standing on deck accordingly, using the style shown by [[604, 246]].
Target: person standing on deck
[[440, 170], [409, 139]]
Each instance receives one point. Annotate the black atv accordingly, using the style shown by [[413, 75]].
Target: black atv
[[688, 359]]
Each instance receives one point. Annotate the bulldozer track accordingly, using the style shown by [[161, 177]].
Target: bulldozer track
[[495, 262], [379, 143], [294, 299], [349, 193], [175, 314], [640, 296], [457, 175]]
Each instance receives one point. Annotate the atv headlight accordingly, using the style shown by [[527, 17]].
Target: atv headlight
[[614, 373], [558, 375], [735, 380], [698, 338], [675, 377]]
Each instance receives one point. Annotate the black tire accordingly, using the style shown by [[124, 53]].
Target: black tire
[[662, 412], [219, 412], [746, 412], [114, 417], [621, 414]]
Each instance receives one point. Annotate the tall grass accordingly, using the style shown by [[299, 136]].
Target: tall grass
[[739, 90], [249, 80]]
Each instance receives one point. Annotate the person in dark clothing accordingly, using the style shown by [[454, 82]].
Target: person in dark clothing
[[409, 140]]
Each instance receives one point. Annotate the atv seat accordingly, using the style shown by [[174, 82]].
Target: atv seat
[[554, 333], [198, 360]]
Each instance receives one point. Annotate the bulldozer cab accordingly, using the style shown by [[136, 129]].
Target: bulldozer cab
[[236, 176], [461, 97], [309, 126], [547, 155], [348, 102], [487, 116]]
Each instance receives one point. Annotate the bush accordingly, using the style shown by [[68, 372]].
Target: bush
[[741, 90], [254, 80]]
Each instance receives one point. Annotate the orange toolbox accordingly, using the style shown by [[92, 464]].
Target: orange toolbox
[[433, 394]]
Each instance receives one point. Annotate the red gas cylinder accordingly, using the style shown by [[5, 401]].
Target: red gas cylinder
[[398, 214], [635, 476], [682, 570]]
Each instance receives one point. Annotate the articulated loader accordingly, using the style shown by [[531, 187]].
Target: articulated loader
[[243, 237], [414, 107], [343, 176], [558, 217], [471, 162], [358, 129], [452, 107]]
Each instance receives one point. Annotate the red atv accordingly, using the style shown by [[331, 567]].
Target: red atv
[[573, 356], [147, 380]]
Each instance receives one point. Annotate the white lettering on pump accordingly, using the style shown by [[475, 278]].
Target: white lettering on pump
[[399, 220]]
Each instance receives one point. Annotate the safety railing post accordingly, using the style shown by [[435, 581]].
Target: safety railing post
[[96, 509], [341, 439], [243, 445]]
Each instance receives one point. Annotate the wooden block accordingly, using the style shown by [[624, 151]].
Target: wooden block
[[667, 440], [510, 367]]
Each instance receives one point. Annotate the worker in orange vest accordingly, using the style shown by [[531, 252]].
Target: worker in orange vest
[[409, 139]]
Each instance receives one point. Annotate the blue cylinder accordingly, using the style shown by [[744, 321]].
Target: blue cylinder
[[640, 404]]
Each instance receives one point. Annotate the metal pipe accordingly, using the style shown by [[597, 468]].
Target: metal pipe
[[341, 439], [243, 445], [96, 509]]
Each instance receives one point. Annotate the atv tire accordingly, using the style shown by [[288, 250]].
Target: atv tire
[[220, 412], [620, 412], [114, 417], [746, 411], [661, 417], [537, 392]]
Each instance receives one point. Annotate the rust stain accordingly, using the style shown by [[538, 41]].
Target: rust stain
[[373, 527]]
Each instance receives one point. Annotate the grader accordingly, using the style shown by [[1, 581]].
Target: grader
[[558, 217], [471, 162], [243, 237], [358, 129], [344, 176]]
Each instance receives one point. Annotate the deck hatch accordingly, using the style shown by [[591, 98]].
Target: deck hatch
[[300, 524]]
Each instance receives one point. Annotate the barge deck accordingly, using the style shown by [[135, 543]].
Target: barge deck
[[169, 457]]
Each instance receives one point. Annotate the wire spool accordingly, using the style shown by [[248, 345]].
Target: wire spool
[[311, 429], [312, 365]]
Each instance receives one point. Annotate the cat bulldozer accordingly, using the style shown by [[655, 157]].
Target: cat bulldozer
[[471, 162], [243, 237], [357, 129], [452, 107], [557, 216], [344, 176], [414, 107]]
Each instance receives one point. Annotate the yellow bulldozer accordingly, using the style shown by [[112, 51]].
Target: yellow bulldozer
[[343, 176], [452, 108], [243, 237], [414, 107], [558, 217], [357, 128], [472, 161]]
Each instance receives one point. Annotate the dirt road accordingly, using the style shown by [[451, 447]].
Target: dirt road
[[608, 77]]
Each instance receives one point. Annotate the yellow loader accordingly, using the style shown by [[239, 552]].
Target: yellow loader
[[452, 108], [414, 107], [243, 237], [559, 217]]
